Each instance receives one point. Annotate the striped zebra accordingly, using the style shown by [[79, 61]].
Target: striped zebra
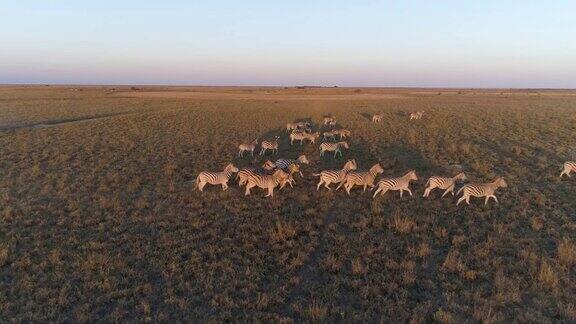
[[250, 147], [568, 168], [266, 181], [244, 173], [444, 183], [329, 120], [284, 164], [361, 178], [328, 177], [481, 190], [291, 126], [333, 147], [399, 184], [343, 133], [269, 145], [377, 118], [302, 136], [330, 135], [215, 178], [416, 115]]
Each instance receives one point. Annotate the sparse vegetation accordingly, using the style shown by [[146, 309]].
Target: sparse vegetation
[[98, 219]]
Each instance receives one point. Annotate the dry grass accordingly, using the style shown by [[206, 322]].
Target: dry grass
[[98, 221]]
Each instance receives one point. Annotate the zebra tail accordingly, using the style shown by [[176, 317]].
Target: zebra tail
[[316, 174]]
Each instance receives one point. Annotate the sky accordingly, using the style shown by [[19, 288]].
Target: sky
[[412, 43]]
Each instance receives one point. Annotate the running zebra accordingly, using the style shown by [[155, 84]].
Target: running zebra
[[329, 120], [568, 168], [265, 181], [298, 126], [361, 178], [244, 173], [416, 115], [446, 184], [284, 164], [250, 147], [343, 133], [333, 147], [301, 136], [401, 184], [328, 177], [331, 135], [269, 145], [377, 118], [481, 190], [215, 178]]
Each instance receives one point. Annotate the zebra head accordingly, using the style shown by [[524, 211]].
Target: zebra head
[[500, 182], [461, 176], [231, 168], [303, 159], [411, 175]]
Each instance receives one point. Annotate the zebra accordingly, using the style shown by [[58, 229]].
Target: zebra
[[443, 183], [329, 120], [291, 126], [416, 115], [361, 178], [265, 181], [269, 145], [244, 173], [284, 164], [481, 190], [568, 168], [301, 136], [332, 123], [328, 177], [247, 148], [343, 133], [298, 126], [330, 135], [401, 184], [215, 178], [377, 118], [333, 147]]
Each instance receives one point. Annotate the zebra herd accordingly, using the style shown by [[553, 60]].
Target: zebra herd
[[280, 173]]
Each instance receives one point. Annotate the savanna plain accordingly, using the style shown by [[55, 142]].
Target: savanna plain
[[99, 219]]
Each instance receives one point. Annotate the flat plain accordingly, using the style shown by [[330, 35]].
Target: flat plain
[[99, 219]]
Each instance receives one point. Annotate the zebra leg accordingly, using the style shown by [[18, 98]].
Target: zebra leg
[[409, 191], [252, 152], [461, 200], [486, 200], [319, 184], [270, 192], [348, 187], [495, 199], [327, 185], [427, 192], [376, 192], [450, 189], [401, 192], [248, 187], [240, 153], [340, 185], [321, 152], [224, 186], [201, 185], [364, 188]]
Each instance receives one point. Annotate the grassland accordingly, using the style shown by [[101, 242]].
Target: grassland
[[98, 220]]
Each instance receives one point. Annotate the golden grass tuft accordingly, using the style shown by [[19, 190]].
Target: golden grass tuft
[[402, 224], [282, 232], [316, 311], [547, 277], [3, 254], [358, 268], [567, 253], [453, 263]]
